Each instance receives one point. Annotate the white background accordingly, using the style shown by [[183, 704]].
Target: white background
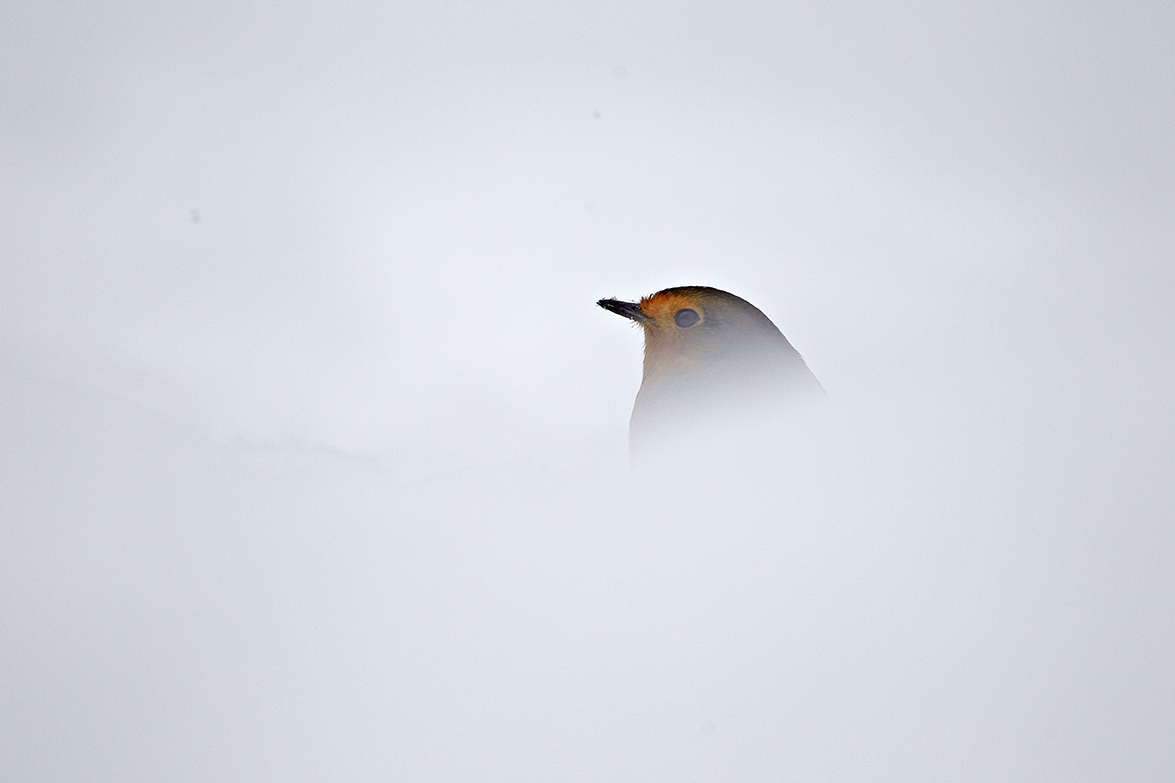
[[312, 438]]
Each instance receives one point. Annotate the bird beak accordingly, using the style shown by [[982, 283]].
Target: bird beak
[[627, 309]]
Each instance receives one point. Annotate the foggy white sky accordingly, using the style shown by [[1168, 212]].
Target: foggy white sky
[[312, 439]]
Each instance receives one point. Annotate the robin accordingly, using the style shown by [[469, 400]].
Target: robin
[[710, 358]]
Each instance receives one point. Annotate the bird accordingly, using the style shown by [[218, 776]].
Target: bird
[[712, 359]]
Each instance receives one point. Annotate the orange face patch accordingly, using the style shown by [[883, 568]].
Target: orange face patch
[[675, 340], [664, 305]]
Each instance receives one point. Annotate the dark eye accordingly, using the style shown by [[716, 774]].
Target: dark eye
[[685, 317]]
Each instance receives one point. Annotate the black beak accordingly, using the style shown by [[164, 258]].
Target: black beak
[[627, 309]]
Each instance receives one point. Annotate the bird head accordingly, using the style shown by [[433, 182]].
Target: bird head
[[707, 352]]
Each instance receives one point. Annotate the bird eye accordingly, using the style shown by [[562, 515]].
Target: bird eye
[[685, 317]]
